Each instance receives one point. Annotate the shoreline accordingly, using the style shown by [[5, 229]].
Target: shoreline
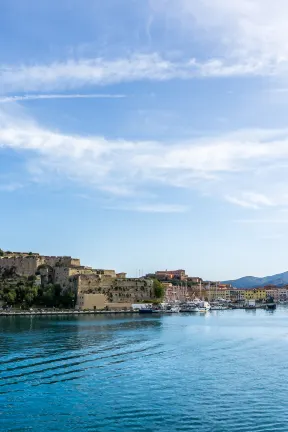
[[50, 313], [128, 312]]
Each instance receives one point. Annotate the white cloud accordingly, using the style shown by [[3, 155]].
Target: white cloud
[[153, 208], [241, 202], [252, 200], [59, 96], [248, 31], [90, 72], [220, 166]]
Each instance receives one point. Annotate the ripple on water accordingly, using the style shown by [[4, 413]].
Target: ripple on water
[[223, 373]]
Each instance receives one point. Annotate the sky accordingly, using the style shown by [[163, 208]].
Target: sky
[[143, 135]]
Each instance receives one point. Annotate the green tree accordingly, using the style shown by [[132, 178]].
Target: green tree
[[1, 252], [32, 279], [30, 295], [10, 297], [158, 289], [68, 299], [48, 296]]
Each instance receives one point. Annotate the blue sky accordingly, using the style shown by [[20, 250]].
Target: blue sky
[[146, 134]]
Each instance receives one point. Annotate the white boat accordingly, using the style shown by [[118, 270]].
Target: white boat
[[204, 307], [189, 307], [171, 309], [218, 307]]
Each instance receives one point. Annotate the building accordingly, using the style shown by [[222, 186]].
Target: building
[[164, 275], [91, 301], [277, 293], [257, 294], [175, 292]]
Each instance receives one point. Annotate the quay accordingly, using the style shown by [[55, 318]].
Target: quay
[[266, 306], [62, 313]]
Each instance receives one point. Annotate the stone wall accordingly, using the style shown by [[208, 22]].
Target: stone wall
[[27, 265], [91, 301], [116, 290], [24, 265]]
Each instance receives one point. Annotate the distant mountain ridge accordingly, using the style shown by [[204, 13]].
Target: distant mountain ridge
[[254, 282]]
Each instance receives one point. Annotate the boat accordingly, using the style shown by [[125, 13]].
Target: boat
[[271, 306], [146, 311], [189, 307], [172, 309], [218, 308], [204, 307]]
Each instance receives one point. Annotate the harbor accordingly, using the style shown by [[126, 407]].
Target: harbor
[[144, 309], [179, 364]]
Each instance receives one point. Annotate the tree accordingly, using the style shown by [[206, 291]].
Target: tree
[[158, 289], [30, 295], [68, 299], [48, 296], [1, 252], [32, 279], [10, 297]]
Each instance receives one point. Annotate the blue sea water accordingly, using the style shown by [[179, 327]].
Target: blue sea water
[[219, 372]]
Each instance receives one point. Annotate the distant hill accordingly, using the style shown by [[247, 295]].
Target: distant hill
[[253, 282]]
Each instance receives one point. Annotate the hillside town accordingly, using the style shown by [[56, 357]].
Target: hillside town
[[179, 286], [30, 278]]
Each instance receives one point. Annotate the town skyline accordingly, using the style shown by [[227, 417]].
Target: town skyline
[[141, 272]]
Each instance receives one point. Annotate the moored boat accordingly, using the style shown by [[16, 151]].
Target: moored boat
[[146, 311], [204, 307]]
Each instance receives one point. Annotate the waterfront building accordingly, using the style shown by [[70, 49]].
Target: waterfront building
[[257, 294], [175, 292], [277, 293]]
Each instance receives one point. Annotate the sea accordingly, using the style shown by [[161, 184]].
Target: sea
[[221, 371]]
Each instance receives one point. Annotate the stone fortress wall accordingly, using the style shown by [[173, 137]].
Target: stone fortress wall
[[26, 264], [69, 274], [116, 289]]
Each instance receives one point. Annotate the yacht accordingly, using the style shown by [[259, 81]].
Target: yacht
[[172, 309], [204, 307], [218, 307], [189, 307]]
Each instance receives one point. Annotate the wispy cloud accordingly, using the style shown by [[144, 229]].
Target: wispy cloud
[[24, 98], [251, 200], [10, 187], [153, 208], [272, 221], [242, 29], [221, 166], [98, 71]]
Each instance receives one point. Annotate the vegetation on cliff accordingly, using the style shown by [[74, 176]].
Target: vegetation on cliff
[[158, 289], [24, 292]]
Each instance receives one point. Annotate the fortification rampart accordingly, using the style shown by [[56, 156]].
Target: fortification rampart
[[27, 264], [116, 290]]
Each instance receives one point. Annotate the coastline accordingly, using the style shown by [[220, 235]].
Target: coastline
[[106, 312], [61, 313]]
